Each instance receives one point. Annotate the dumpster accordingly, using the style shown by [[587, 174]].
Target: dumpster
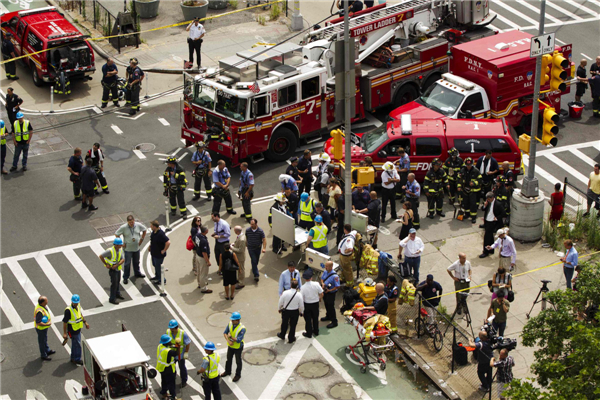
[[575, 109]]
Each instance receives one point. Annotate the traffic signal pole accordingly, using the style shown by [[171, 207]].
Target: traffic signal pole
[[348, 92], [531, 185]]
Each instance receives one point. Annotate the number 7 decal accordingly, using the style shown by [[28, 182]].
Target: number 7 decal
[[311, 106]]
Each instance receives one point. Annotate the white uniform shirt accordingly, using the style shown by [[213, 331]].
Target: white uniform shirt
[[310, 292], [412, 246], [507, 248], [196, 31], [297, 303], [346, 246], [490, 215], [461, 271], [386, 176]]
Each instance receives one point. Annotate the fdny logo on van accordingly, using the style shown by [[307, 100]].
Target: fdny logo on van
[[529, 75], [490, 74], [473, 64]]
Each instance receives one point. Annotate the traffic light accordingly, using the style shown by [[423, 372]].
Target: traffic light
[[558, 74], [550, 129], [336, 134], [546, 64]]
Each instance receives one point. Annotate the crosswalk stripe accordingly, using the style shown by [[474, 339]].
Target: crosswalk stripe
[[508, 22], [11, 312], [23, 280], [552, 180], [576, 174], [581, 7], [54, 278], [562, 10], [130, 288], [537, 11], [86, 275], [583, 157], [516, 12], [597, 3]]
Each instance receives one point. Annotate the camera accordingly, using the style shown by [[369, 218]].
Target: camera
[[545, 283], [498, 342]]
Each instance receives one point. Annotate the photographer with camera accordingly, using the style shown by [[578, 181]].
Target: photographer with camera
[[505, 376], [499, 308], [484, 356]]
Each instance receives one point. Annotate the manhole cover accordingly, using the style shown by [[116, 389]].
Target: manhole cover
[[313, 369], [218, 319], [301, 396], [259, 356], [145, 147], [343, 391]]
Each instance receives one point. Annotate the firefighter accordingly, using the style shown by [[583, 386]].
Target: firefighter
[[110, 91], [305, 210], [246, 192], [433, 186], [468, 187], [280, 205], [8, 51], [135, 76], [203, 172], [97, 157], [452, 168], [62, 82], [392, 292], [175, 182], [503, 197], [403, 165], [509, 177], [221, 180]]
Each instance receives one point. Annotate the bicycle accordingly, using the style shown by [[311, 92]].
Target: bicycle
[[422, 327]]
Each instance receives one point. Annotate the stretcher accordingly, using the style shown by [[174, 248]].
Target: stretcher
[[373, 332]]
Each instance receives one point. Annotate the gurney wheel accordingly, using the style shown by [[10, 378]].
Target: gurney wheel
[[383, 365], [348, 350], [363, 369]]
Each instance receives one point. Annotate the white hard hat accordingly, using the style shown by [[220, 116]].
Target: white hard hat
[[280, 197], [369, 282], [388, 166], [324, 157]]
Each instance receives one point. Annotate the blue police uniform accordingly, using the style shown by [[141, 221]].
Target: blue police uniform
[[403, 162], [331, 282], [219, 192], [76, 163], [201, 174], [415, 188], [290, 183], [246, 180]]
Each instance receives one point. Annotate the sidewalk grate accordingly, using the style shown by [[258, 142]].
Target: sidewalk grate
[[343, 391], [107, 226], [259, 356], [313, 369], [145, 147], [301, 396]]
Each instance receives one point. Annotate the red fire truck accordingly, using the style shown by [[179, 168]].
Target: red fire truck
[[267, 100], [492, 77]]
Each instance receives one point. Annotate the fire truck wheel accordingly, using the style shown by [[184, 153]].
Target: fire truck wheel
[[282, 146], [37, 81], [525, 125], [430, 81], [405, 94]]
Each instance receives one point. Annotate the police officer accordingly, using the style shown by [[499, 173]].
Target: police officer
[[109, 83], [175, 182], [452, 167], [74, 167], [135, 76], [305, 171], [221, 179], [331, 283], [280, 205], [203, 171], [3, 135], [292, 203], [181, 342], [292, 170], [403, 165], [113, 259], [234, 335], [22, 134], [13, 106], [246, 192], [305, 211], [73, 321], [97, 157], [502, 196], [8, 51], [413, 192], [468, 187], [165, 364], [210, 372], [317, 236], [433, 186]]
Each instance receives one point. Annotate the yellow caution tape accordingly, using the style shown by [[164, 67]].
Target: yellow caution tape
[[263, 44], [148, 30]]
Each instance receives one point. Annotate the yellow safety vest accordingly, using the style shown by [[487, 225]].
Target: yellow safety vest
[[305, 210], [76, 320], [162, 354], [115, 257], [213, 365], [321, 239], [17, 131], [234, 332], [3, 135], [45, 313], [174, 339]]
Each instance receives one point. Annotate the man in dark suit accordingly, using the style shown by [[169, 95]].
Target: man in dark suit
[[493, 215], [488, 166]]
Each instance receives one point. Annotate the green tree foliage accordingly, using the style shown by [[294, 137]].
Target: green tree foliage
[[567, 363]]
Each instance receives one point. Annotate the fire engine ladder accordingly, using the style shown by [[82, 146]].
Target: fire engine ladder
[[415, 5]]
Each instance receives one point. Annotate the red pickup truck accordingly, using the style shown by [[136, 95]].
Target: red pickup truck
[[61, 47]]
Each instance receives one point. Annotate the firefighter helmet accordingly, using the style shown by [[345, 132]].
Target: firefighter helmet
[[200, 144], [324, 157], [453, 152], [388, 166], [280, 198], [468, 161], [501, 179], [171, 160], [436, 161]]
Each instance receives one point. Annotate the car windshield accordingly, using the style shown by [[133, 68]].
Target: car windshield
[[372, 140], [231, 105], [127, 382], [442, 99], [204, 96]]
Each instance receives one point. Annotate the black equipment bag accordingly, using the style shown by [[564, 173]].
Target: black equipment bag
[[460, 355]]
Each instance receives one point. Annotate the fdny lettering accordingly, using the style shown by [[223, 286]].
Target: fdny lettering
[[473, 65], [423, 166], [382, 23], [519, 78]]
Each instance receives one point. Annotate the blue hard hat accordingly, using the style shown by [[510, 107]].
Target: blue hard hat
[[235, 316], [304, 196], [173, 324], [318, 218], [117, 242], [44, 319], [20, 115], [1, 124], [210, 346], [164, 339], [75, 299]]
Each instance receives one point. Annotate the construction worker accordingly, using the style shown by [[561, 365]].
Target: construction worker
[[468, 188], [433, 186], [280, 205], [3, 136], [317, 236], [246, 192], [502, 196], [413, 192], [181, 342], [113, 259], [97, 157], [135, 76], [210, 372], [221, 180], [234, 335], [110, 91], [403, 165], [74, 167], [73, 321], [165, 364], [203, 171], [22, 134], [452, 167], [346, 250], [392, 293], [8, 52], [42, 320], [175, 182], [305, 210], [389, 180]]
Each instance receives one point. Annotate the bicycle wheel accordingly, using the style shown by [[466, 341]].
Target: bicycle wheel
[[438, 339], [420, 326]]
